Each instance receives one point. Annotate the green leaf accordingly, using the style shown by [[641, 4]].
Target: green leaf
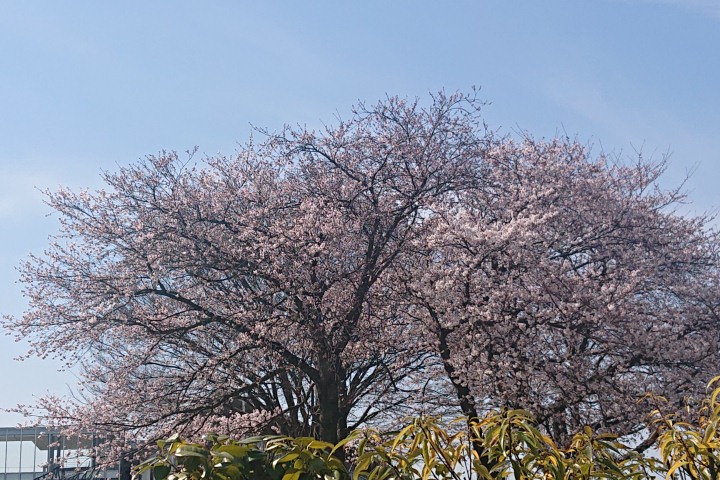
[[317, 444], [292, 475], [342, 443], [252, 440], [287, 458], [160, 472], [191, 451], [237, 451], [224, 456]]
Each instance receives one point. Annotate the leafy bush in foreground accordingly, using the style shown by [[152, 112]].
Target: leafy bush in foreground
[[503, 444]]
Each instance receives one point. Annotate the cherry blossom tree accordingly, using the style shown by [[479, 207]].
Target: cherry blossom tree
[[570, 286], [403, 260], [236, 293]]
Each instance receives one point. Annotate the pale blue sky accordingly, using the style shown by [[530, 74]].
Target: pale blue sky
[[87, 85]]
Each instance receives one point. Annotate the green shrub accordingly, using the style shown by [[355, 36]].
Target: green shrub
[[502, 445]]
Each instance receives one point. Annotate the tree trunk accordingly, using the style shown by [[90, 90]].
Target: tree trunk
[[332, 414], [467, 402]]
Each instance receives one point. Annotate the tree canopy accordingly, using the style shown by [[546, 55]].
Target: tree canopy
[[405, 260]]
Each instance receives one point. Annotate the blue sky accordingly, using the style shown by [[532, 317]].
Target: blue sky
[[87, 86]]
